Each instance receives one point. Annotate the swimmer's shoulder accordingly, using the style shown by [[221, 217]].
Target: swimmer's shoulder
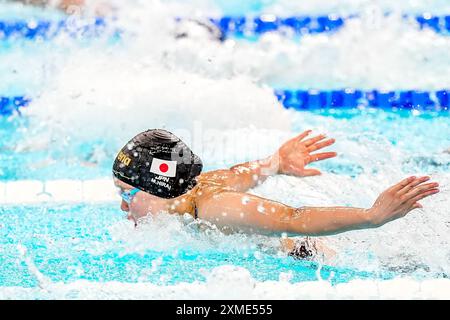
[[209, 184], [214, 177]]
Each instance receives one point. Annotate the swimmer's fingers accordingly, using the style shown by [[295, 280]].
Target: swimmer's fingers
[[302, 135], [417, 206], [414, 204], [426, 189], [321, 145], [311, 172], [311, 141], [322, 156], [415, 182], [397, 187]]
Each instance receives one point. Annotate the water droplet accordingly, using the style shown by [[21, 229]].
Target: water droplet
[[245, 200], [261, 208]]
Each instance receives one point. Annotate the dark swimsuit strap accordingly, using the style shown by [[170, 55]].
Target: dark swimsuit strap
[[195, 212], [194, 203]]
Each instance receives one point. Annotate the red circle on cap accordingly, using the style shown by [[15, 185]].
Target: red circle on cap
[[163, 167]]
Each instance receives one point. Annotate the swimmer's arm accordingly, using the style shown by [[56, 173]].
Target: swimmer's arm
[[250, 213], [291, 158], [246, 212], [244, 176]]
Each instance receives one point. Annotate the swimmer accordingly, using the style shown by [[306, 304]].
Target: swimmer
[[185, 27], [71, 6], [157, 172], [61, 4], [188, 28]]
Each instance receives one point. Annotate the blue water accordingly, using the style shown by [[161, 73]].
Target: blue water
[[60, 241]]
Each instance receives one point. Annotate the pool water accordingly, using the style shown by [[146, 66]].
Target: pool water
[[89, 96], [83, 242]]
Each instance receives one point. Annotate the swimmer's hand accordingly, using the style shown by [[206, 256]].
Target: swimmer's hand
[[400, 199], [296, 153]]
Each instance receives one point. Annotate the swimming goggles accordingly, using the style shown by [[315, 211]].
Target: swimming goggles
[[127, 196]]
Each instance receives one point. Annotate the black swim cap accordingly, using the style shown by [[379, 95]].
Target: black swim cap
[[158, 162]]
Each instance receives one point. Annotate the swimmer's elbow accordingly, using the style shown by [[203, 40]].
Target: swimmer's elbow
[[291, 221], [301, 222]]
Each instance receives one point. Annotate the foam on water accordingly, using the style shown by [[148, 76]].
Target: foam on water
[[397, 55], [437, 7], [230, 282]]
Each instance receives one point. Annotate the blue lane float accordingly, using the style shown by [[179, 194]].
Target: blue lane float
[[46, 29], [242, 26], [239, 26], [246, 26], [10, 105], [351, 98]]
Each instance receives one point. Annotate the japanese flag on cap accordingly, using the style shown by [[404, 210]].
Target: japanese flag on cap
[[165, 168]]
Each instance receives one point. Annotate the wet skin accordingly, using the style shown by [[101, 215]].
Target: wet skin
[[221, 197]]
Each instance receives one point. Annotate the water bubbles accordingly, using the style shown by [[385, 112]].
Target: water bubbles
[[156, 264], [32, 24], [245, 200], [261, 209], [286, 276], [258, 255], [416, 112]]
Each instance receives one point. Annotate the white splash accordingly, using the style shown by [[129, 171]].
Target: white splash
[[230, 282]]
